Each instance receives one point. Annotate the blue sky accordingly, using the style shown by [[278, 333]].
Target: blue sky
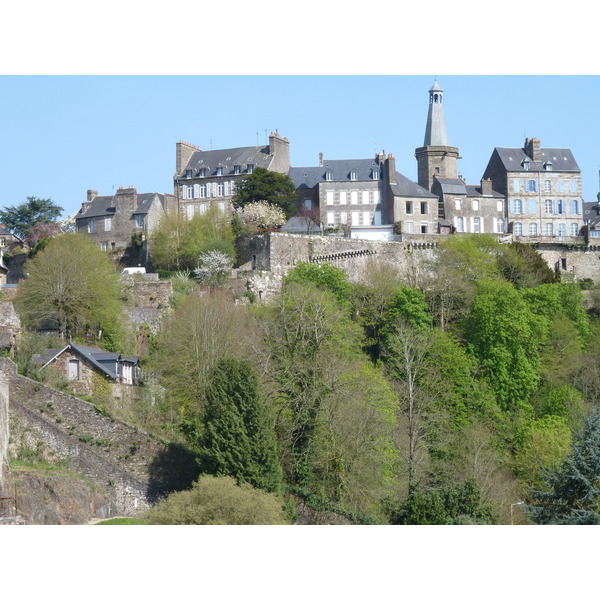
[[63, 135]]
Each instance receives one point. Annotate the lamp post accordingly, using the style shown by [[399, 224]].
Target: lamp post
[[511, 510]]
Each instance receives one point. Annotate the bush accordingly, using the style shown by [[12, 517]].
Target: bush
[[218, 501]]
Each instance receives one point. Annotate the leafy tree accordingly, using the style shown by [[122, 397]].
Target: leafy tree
[[41, 231], [218, 501], [324, 277], [21, 218], [570, 494], [258, 216], [456, 505], [269, 186], [214, 268], [72, 283], [523, 266], [236, 436]]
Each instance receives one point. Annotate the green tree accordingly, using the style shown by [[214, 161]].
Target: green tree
[[236, 432], [21, 218], [72, 283], [218, 501], [570, 494], [268, 186]]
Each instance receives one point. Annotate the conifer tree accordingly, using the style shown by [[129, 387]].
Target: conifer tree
[[236, 436], [572, 491]]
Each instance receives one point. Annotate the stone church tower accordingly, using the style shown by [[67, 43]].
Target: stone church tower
[[436, 156]]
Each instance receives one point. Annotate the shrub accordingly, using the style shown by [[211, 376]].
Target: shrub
[[218, 501]]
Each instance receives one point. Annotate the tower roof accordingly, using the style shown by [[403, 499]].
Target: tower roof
[[435, 130]]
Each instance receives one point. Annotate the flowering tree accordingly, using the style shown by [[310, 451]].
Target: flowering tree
[[261, 215], [214, 266]]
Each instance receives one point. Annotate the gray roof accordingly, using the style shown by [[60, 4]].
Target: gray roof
[[405, 187], [299, 224], [561, 159], [104, 206], [309, 177], [106, 362], [450, 185], [258, 156]]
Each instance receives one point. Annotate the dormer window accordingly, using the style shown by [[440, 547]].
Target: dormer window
[[250, 168], [236, 169], [353, 175], [188, 173], [328, 176], [219, 170], [202, 173], [375, 174], [548, 166], [525, 165]]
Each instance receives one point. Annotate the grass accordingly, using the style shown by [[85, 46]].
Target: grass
[[123, 521]]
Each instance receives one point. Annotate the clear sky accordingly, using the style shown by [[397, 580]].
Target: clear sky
[[63, 135]]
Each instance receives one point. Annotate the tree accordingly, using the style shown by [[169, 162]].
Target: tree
[[214, 268], [236, 434], [268, 186], [570, 494], [218, 501], [20, 219], [258, 216], [72, 283], [41, 231]]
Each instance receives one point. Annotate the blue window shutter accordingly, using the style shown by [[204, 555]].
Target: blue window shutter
[[557, 207], [532, 206], [512, 205]]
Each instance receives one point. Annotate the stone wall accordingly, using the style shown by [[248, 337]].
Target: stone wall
[[4, 434], [133, 467], [578, 262]]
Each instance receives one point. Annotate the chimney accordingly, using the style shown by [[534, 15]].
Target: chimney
[[320, 159], [391, 168], [126, 200], [91, 194], [533, 149], [486, 187], [279, 148], [183, 154]]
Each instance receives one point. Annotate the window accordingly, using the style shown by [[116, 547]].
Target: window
[[219, 170], [409, 227], [354, 197], [376, 197], [344, 218], [73, 370], [366, 197], [104, 246], [330, 219], [307, 204], [329, 198], [139, 220], [203, 191], [460, 224], [202, 173], [343, 197], [355, 216], [91, 226], [250, 168], [107, 223], [562, 230], [560, 207], [329, 176], [366, 218], [457, 204], [476, 225], [574, 229], [516, 185], [424, 228], [475, 204], [222, 207], [188, 173], [409, 207], [221, 189], [548, 204], [424, 208], [518, 207], [549, 229], [190, 211], [525, 165], [573, 185], [531, 185], [561, 185], [500, 226], [547, 185], [500, 206], [236, 169], [203, 208], [518, 228], [574, 207], [548, 166], [375, 174], [190, 191], [353, 176], [128, 373], [532, 228]]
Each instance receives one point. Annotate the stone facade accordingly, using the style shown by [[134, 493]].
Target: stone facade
[[113, 221], [543, 191], [208, 177], [4, 435]]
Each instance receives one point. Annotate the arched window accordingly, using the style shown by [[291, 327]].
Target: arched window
[[518, 229], [547, 185], [532, 228], [549, 229], [574, 229], [562, 230]]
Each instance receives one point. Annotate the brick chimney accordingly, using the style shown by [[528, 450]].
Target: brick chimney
[[390, 169], [183, 154], [91, 194], [126, 200], [533, 149], [486, 187], [320, 159]]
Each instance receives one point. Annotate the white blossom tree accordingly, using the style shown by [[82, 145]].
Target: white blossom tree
[[261, 215]]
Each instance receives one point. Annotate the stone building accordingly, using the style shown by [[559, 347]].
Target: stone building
[[208, 177], [113, 221], [467, 208], [543, 190], [365, 197]]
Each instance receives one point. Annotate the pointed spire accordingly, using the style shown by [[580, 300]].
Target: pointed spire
[[435, 131]]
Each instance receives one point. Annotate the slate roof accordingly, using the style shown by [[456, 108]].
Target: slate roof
[[561, 158], [405, 187], [299, 225], [103, 206], [106, 362], [458, 186], [258, 156], [591, 210], [310, 177]]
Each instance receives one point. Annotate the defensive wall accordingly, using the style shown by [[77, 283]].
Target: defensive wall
[[133, 467], [265, 258]]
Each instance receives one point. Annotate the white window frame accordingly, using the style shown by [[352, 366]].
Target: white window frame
[[107, 223]]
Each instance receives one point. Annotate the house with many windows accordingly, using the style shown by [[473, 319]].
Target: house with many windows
[[543, 191], [208, 177]]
